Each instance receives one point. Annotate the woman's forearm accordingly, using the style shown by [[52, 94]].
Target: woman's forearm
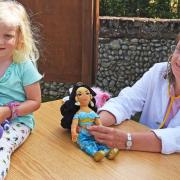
[[107, 118], [147, 141]]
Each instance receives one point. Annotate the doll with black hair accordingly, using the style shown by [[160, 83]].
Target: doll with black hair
[[79, 112]]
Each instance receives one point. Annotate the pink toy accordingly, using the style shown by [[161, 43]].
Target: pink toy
[[101, 96]]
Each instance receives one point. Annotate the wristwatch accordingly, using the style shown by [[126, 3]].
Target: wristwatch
[[129, 141]]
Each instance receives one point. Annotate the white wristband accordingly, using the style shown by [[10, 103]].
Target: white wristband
[[129, 141]]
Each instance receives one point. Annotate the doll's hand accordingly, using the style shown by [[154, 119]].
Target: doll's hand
[[74, 137]]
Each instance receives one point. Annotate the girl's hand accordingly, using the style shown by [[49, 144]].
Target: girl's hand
[[111, 137], [74, 137], [4, 113]]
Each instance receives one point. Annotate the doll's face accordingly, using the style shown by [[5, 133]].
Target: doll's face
[[83, 95]]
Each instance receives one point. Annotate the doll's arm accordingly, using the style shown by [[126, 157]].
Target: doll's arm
[[74, 133]]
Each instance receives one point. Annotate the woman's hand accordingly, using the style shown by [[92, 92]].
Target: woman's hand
[[4, 113], [110, 136], [142, 141]]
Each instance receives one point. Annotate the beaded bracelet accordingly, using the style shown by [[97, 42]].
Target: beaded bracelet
[[13, 108]]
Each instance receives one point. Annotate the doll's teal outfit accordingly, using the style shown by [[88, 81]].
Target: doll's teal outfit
[[85, 140]]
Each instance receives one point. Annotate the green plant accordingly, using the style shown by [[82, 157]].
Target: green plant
[[141, 8]]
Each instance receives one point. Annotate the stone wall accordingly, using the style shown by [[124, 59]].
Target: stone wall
[[127, 48]]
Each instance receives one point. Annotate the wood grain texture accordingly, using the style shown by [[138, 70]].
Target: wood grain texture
[[49, 154], [68, 34]]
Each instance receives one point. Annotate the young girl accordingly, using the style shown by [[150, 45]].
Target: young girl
[[79, 114], [20, 93]]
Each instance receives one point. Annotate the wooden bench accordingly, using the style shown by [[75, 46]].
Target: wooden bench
[[49, 154]]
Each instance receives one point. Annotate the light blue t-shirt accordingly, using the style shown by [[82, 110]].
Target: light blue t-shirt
[[12, 84]]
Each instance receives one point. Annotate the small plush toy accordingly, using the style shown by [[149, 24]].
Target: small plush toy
[[101, 96], [79, 112], [4, 126], [1, 131]]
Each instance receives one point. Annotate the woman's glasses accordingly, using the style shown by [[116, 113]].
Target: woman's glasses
[[175, 49]]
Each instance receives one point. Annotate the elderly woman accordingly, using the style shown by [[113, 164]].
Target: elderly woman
[[157, 96]]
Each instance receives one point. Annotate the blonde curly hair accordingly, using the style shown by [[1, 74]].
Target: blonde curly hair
[[13, 13]]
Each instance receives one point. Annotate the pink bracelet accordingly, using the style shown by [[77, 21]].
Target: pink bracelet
[[13, 108]]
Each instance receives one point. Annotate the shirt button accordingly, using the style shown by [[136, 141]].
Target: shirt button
[[158, 123]]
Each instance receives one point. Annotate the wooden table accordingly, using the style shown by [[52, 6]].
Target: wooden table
[[49, 154]]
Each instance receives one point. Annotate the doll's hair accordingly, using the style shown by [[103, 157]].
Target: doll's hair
[[69, 109], [13, 13]]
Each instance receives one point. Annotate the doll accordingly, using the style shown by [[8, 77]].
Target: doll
[[79, 112]]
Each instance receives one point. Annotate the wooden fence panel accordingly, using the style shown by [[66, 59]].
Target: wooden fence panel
[[69, 38]]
